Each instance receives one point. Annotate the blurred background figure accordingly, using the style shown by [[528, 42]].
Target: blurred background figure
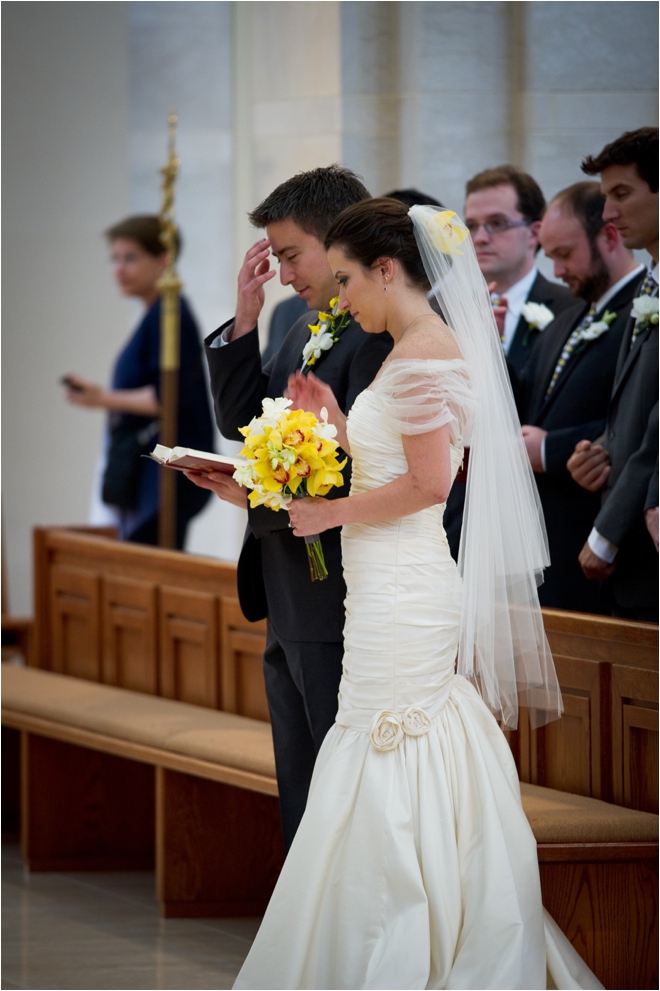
[[414, 197], [126, 487], [564, 390], [503, 211], [622, 546]]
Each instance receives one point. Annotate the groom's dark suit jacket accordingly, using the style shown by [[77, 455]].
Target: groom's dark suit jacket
[[557, 298], [575, 410], [273, 572], [631, 438]]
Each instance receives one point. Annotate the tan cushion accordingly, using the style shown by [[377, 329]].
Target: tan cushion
[[557, 817], [177, 727], [235, 741]]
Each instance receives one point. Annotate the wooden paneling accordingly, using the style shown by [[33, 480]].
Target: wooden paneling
[[188, 635], [219, 849], [609, 912], [635, 737], [84, 810], [75, 621], [130, 634], [567, 754], [243, 645]]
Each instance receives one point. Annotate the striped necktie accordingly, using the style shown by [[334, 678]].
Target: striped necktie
[[569, 347], [649, 287]]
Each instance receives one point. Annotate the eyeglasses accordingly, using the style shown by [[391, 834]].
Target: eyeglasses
[[497, 226]]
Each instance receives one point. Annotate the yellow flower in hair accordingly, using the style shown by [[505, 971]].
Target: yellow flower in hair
[[451, 233]]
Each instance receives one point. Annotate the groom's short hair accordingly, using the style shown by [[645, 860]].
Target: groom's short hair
[[313, 200]]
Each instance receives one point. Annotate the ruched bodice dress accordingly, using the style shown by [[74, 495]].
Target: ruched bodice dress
[[414, 865]]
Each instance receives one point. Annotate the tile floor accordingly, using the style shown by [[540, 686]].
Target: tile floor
[[102, 930]]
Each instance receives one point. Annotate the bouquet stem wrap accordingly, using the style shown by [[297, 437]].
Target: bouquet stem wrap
[[317, 569]]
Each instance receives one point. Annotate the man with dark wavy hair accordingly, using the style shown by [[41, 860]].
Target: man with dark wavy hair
[[622, 546], [303, 658]]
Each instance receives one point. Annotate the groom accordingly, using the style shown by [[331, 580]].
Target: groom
[[303, 658]]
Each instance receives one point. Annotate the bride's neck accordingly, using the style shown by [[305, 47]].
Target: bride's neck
[[406, 312]]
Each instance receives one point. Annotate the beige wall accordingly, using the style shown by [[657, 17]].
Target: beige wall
[[65, 178]]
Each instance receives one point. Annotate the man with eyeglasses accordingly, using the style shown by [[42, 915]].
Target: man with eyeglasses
[[503, 211]]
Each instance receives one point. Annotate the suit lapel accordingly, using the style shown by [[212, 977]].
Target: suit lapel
[[542, 400], [628, 354], [537, 294]]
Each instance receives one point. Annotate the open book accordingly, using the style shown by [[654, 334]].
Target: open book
[[185, 459]]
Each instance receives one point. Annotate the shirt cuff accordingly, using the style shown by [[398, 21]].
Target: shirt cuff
[[602, 547], [223, 338], [543, 453]]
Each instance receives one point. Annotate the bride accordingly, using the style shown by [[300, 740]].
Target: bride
[[414, 865]]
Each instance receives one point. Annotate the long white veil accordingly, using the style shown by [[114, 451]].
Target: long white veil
[[503, 648]]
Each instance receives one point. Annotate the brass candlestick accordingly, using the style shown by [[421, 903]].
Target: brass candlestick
[[170, 287]]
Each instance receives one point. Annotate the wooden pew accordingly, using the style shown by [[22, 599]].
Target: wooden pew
[[169, 624]]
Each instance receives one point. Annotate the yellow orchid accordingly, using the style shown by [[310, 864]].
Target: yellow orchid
[[290, 453], [451, 233]]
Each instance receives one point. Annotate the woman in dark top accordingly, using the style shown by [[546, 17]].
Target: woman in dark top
[[133, 398]]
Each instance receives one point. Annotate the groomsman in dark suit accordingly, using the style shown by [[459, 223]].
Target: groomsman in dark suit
[[622, 546], [503, 210], [303, 658], [565, 387]]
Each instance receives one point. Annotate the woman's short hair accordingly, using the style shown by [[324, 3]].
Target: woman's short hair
[[146, 229], [379, 228]]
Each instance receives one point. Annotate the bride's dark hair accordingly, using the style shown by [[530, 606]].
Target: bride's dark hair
[[379, 228]]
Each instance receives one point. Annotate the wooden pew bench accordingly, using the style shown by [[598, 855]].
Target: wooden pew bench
[[115, 779]]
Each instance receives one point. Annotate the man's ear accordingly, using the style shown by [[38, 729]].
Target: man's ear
[[534, 230], [608, 238]]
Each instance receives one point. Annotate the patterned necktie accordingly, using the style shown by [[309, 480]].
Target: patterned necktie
[[569, 347], [649, 287]]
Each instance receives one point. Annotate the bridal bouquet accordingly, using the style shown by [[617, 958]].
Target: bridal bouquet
[[290, 454]]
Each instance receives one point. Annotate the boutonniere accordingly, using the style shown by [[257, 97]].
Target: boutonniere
[[597, 327], [325, 333], [537, 317], [645, 310]]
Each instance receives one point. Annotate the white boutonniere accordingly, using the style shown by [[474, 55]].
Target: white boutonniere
[[537, 315], [645, 310], [325, 333], [598, 327]]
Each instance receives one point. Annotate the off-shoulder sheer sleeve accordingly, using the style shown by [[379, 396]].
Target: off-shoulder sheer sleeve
[[421, 395]]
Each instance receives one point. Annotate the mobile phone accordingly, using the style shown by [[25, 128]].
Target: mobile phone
[[70, 384]]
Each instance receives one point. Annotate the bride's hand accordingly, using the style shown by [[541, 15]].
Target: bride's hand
[[310, 516], [311, 394]]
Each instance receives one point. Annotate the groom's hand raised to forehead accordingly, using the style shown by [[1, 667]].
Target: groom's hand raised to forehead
[[254, 273]]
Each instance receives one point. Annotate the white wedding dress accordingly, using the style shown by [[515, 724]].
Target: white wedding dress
[[414, 865]]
